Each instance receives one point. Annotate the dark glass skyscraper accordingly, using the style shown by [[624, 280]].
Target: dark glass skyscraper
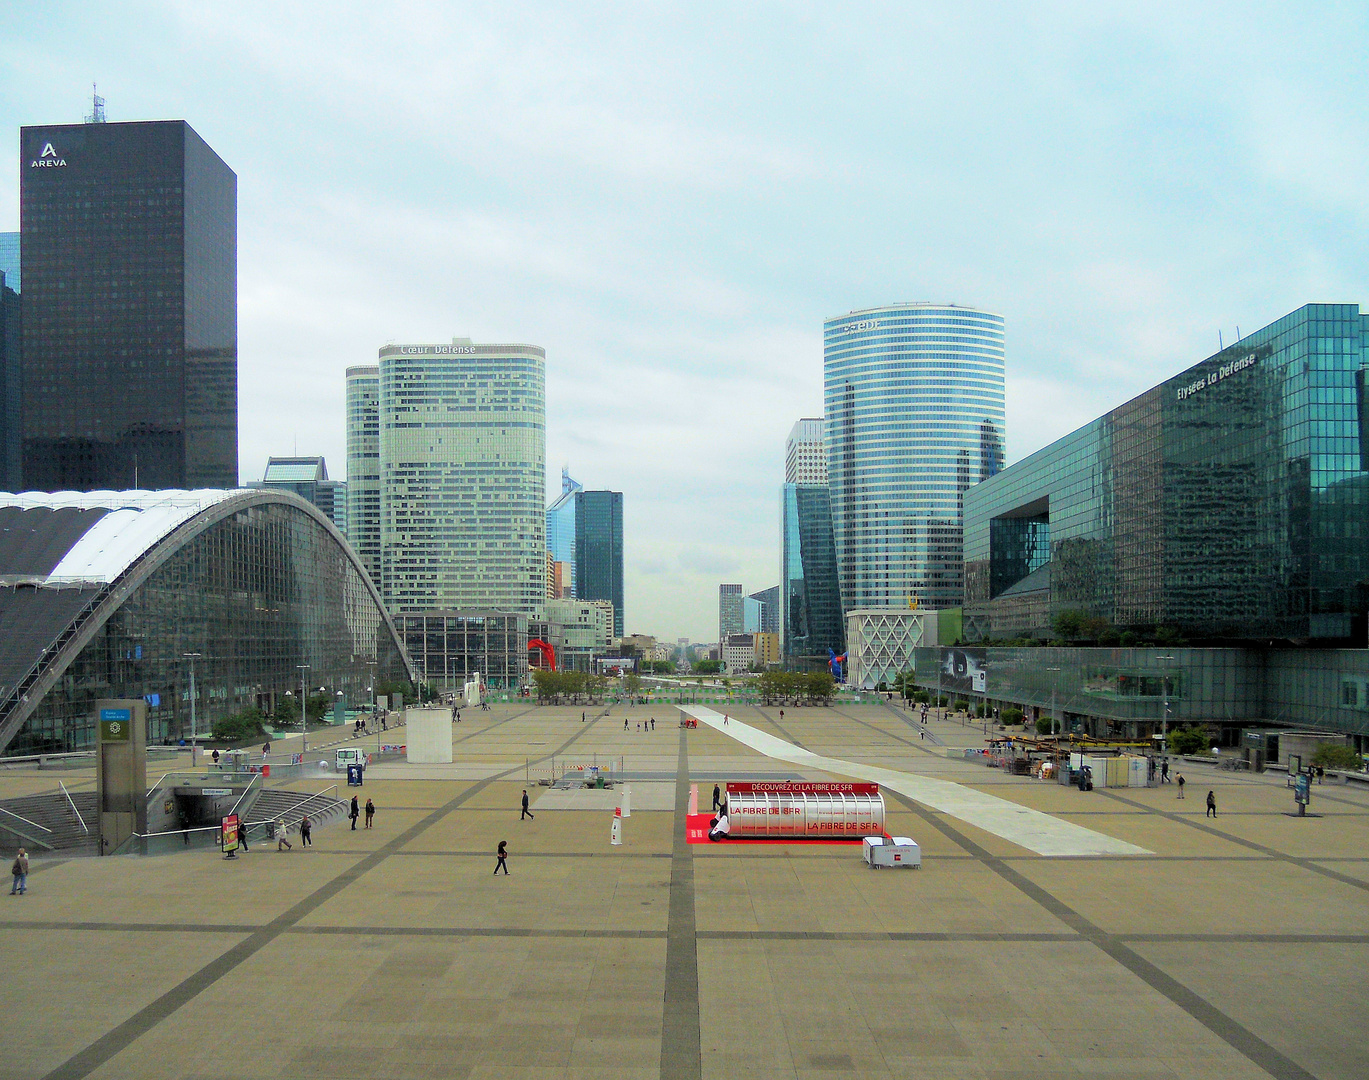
[[130, 335], [599, 550], [11, 354], [809, 591]]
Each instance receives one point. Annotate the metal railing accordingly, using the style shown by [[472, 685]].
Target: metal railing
[[26, 821], [73, 807]]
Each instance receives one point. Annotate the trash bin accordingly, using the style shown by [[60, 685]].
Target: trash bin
[[354, 775]]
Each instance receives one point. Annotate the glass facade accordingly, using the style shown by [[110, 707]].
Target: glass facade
[[914, 404], [363, 465], [731, 611], [599, 550], [9, 259], [1125, 692], [130, 354], [11, 377], [810, 598], [1230, 502], [561, 531], [462, 478], [450, 646], [262, 588]]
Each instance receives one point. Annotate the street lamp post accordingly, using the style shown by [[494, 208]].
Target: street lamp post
[[192, 657], [1164, 697], [303, 712]]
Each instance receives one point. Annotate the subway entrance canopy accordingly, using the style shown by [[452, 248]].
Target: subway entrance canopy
[[103, 594]]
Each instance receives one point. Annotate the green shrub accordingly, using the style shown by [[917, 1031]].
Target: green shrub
[[1013, 716], [921, 696], [1334, 756], [1193, 740], [962, 706], [1043, 725], [241, 727]]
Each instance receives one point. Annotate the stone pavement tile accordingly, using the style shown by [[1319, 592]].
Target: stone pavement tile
[[736, 893], [1332, 1041], [199, 887], [1197, 897], [67, 988], [1156, 834], [1355, 868], [621, 894]]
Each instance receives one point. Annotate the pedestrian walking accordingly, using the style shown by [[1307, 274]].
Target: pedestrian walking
[[526, 812], [242, 835], [215, 756], [1164, 771], [502, 851], [265, 749], [1180, 781], [653, 728], [305, 832], [582, 718], [625, 723], [1321, 773], [354, 813], [370, 812], [781, 716], [20, 872], [724, 719], [717, 796], [1211, 805], [282, 840]]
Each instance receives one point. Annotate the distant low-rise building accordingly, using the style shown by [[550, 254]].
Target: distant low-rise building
[[765, 648], [738, 653], [582, 630]]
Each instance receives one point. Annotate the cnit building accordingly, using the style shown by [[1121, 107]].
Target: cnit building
[[1224, 513]]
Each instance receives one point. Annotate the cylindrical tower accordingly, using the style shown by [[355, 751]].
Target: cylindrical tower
[[463, 449], [914, 405]]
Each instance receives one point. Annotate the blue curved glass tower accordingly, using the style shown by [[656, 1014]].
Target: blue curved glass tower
[[914, 406]]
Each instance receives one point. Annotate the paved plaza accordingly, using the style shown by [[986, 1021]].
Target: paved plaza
[[1232, 947]]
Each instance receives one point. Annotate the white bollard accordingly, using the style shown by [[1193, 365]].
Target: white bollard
[[693, 798], [626, 801], [616, 836]]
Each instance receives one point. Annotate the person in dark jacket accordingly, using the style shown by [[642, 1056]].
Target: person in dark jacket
[[526, 812], [717, 796], [502, 853], [370, 812], [305, 831], [354, 813], [1211, 805]]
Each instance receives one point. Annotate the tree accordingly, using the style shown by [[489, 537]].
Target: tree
[[707, 667], [245, 726], [1068, 624], [1336, 756], [632, 684]]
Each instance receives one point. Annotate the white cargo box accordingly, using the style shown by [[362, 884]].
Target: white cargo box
[[891, 851]]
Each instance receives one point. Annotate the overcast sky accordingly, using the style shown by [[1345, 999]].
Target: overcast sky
[[670, 199]]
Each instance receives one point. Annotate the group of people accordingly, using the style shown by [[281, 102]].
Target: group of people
[[355, 812], [642, 725]]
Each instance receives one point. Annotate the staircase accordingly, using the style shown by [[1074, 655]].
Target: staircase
[[275, 803], [51, 824]]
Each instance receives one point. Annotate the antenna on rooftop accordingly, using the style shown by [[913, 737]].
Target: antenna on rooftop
[[97, 107]]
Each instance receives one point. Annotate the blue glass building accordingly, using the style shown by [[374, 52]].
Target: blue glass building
[[1228, 503], [561, 530], [599, 550], [809, 596], [914, 401]]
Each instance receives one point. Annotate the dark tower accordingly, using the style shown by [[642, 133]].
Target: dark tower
[[599, 550], [130, 328]]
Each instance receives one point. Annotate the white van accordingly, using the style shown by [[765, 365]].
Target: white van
[[350, 755]]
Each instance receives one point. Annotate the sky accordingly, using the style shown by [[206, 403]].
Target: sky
[[670, 198]]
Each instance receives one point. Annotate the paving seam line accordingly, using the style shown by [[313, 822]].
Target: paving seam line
[[1228, 1029], [681, 1041], [1273, 853], [778, 727], [932, 737], [123, 1035], [897, 738]]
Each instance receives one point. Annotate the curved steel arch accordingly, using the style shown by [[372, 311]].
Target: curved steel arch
[[152, 560]]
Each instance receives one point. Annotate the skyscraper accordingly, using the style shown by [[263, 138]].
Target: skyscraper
[[130, 324], [462, 477], [561, 531], [805, 453], [914, 405], [9, 259], [307, 477], [810, 597], [363, 465], [11, 372], [599, 550], [731, 611], [767, 612]]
